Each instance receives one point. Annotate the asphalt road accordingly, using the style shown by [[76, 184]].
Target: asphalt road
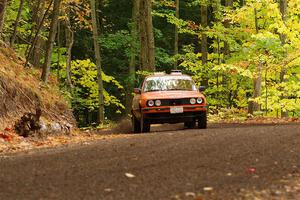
[[221, 162]]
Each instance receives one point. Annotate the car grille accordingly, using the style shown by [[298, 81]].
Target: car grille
[[175, 102]]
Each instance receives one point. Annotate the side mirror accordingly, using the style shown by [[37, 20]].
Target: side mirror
[[202, 88], [137, 91]]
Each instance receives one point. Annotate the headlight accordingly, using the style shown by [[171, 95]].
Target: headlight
[[150, 103], [192, 101], [158, 102], [199, 100]]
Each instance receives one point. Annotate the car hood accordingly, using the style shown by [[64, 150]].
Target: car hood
[[178, 94]]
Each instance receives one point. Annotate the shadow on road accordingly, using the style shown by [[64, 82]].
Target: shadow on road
[[124, 127]]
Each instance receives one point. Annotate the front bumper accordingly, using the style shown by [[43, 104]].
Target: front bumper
[[160, 115]]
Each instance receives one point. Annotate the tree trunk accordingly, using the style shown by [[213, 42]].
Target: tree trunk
[[283, 11], [3, 4], [147, 36], [13, 37], [143, 38], [253, 106], [69, 44], [257, 87], [204, 50], [58, 49], [35, 39], [50, 42], [133, 55], [38, 17], [98, 62], [176, 33], [38, 48], [217, 13], [134, 36], [150, 36], [204, 24], [256, 21], [228, 3]]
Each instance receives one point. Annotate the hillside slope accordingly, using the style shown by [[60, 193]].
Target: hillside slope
[[21, 91]]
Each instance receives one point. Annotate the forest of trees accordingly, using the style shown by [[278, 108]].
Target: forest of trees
[[246, 52]]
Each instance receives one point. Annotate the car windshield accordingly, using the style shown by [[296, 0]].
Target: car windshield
[[166, 83]]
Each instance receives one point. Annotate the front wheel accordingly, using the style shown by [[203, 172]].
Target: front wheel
[[136, 126], [202, 121], [145, 127]]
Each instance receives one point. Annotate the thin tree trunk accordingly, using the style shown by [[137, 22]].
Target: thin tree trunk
[[204, 24], [253, 106], [143, 37], [13, 37], [258, 81], [176, 33], [257, 87], [228, 3], [58, 49], [204, 50], [216, 10], [35, 6], [3, 5], [150, 36], [256, 21], [134, 51], [33, 45], [147, 36], [50, 42], [69, 44], [134, 36], [266, 90], [37, 50], [98, 62], [283, 11]]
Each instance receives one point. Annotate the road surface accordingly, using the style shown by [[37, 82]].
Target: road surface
[[221, 162]]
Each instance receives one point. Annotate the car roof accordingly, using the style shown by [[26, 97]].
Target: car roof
[[169, 75]]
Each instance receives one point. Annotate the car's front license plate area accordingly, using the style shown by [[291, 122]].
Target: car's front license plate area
[[176, 109]]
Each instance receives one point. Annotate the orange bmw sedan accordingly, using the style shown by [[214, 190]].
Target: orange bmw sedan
[[168, 98]]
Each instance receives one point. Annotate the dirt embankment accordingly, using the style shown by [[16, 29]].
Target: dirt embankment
[[22, 92]]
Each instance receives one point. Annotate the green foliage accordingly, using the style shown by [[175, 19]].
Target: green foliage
[[120, 40], [85, 88], [24, 28], [230, 77]]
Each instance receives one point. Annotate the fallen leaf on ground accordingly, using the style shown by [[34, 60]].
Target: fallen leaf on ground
[[108, 190], [251, 170], [129, 175], [6, 137], [190, 194], [207, 188], [8, 129]]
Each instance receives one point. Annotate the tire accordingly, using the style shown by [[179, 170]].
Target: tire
[[190, 124], [136, 126], [202, 121], [145, 127]]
